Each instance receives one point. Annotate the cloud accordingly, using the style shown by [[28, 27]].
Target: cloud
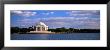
[[74, 24], [68, 18], [76, 19], [83, 22], [17, 11], [27, 22], [52, 22], [52, 12], [24, 13], [24, 20], [47, 13], [83, 12]]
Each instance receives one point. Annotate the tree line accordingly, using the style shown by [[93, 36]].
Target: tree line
[[73, 30], [62, 29], [21, 30]]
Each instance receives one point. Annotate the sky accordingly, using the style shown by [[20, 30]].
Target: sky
[[81, 19]]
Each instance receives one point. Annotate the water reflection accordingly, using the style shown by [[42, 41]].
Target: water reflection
[[72, 36], [43, 36]]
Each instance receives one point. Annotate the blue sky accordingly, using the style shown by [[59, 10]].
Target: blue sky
[[83, 19]]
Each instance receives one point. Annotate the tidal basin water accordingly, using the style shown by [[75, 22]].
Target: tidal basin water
[[71, 36]]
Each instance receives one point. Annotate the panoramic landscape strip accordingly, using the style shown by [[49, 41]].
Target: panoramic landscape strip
[[55, 24]]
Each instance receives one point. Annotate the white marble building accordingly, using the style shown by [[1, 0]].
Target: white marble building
[[41, 27]]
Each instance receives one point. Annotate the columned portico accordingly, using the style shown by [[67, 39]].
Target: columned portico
[[41, 27]]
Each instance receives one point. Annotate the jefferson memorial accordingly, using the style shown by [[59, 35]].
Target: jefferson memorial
[[41, 28]]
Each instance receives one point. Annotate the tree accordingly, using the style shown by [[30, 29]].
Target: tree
[[71, 29], [31, 29], [15, 29]]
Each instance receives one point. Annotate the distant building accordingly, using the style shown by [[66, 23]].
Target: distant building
[[41, 27]]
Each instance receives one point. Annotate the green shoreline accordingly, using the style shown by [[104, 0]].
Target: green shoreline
[[61, 30], [51, 33]]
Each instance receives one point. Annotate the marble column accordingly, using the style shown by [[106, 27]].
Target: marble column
[[40, 28]]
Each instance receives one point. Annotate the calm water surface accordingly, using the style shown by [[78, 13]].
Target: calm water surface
[[71, 36]]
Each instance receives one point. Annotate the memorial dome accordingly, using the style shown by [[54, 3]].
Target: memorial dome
[[41, 23]]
